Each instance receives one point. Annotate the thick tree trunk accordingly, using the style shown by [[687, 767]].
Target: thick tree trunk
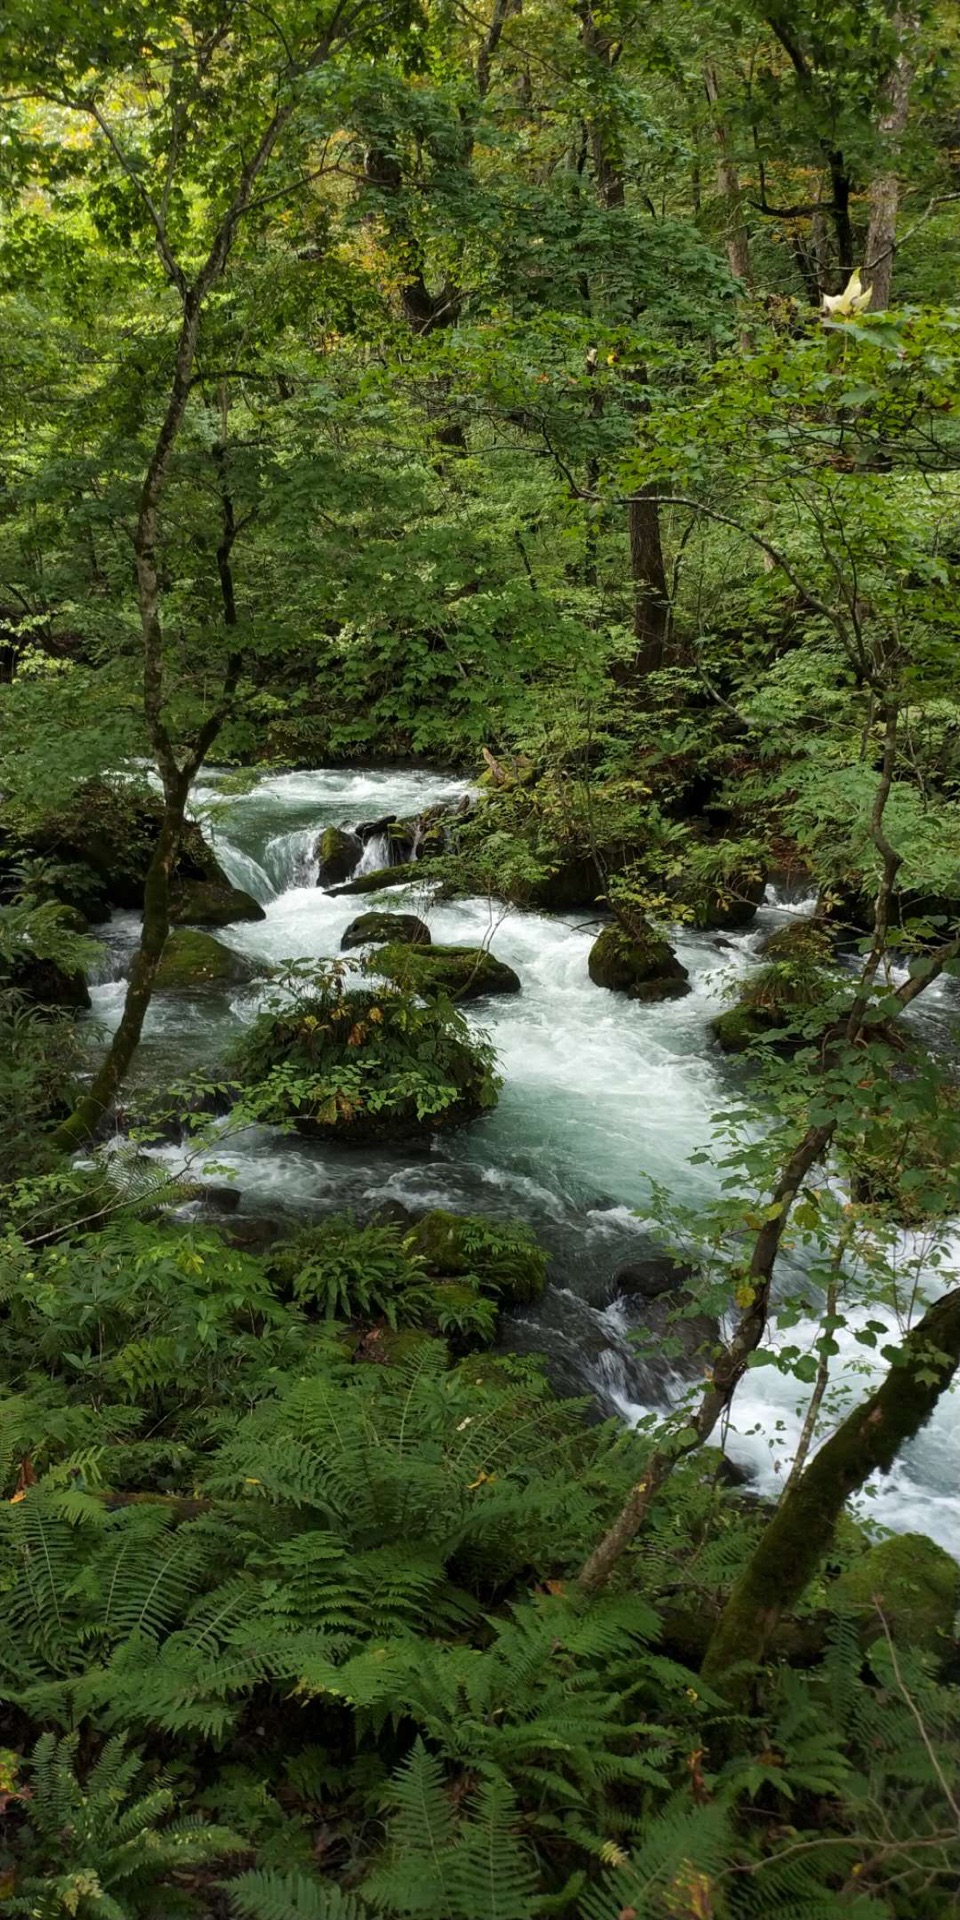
[[651, 601], [885, 191], [802, 1528], [736, 237]]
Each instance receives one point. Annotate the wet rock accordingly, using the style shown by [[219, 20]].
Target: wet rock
[[639, 964], [392, 928], [650, 1278], [800, 940], [219, 1199], [787, 1001], [191, 959], [461, 973], [734, 907], [338, 852], [393, 1213], [573, 883], [211, 903]]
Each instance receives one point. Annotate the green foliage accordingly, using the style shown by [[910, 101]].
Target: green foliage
[[362, 1064], [105, 1844]]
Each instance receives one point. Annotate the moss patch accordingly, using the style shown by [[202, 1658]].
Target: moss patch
[[917, 1585], [462, 973], [503, 1256], [211, 903], [192, 959]]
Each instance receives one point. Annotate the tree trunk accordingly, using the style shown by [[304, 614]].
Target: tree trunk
[[651, 595], [885, 191], [737, 239], [802, 1528], [84, 1121]]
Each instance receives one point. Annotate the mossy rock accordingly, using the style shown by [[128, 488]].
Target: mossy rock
[[800, 942], [462, 973], [338, 852], [191, 959], [110, 831], [917, 1585], [641, 965], [741, 1026], [381, 928], [503, 1256], [573, 882], [211, 903], [370, 1066]]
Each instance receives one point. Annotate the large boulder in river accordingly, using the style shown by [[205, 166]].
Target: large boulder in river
[[191, 959], [338, 852], [907, 1581], [380, 928], [110, 831], [788, 1000], [640, 964], [211, 903], [462, 973], [368, 1066]]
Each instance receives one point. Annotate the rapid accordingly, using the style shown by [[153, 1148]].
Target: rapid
[[601, 1096]]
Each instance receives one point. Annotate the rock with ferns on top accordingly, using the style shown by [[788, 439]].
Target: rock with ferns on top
[[362, 1064]]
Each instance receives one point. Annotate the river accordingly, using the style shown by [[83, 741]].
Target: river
[[600, 1096]]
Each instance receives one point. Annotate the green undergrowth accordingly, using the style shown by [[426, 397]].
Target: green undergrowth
[[292, 1622]]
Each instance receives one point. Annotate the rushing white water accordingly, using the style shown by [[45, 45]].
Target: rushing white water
[[600, 1096]]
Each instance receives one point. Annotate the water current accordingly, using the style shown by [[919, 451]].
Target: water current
[[600, 1096]]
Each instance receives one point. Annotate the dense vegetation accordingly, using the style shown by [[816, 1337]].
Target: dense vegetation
[[494, 387]]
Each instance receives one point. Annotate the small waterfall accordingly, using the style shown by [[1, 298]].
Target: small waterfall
[[376, 854], [291, 858], [243, 871]]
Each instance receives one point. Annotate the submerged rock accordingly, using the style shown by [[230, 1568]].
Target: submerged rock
[[192, 959], [462, 973], [211, 903], [394, 928], [651, 1278], [790, 996], [640, 964], [338, 852]]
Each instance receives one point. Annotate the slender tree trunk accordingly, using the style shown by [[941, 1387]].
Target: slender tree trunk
[[794, 1542], [885, 190], [87, 1115], [736, 237], [651, 594]]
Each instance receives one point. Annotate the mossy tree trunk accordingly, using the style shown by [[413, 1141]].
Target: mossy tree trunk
[[792, 1546]]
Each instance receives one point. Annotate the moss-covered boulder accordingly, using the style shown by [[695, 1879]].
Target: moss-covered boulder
[[640, 964], [192, 959], [461, 973], [789, 997], [386, 928], [211, 903], [363, 1066], [338, 851], [503, 1255], [917, 1585], [110, 830]]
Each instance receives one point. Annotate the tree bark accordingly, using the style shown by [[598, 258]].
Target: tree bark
[[794, 1542], [885, 190], [736, 239], [651, 594]]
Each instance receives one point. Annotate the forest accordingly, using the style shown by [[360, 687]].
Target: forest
[[479, 959]]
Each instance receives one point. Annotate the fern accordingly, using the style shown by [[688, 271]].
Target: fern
[[263, 1895], [444, 1866]]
